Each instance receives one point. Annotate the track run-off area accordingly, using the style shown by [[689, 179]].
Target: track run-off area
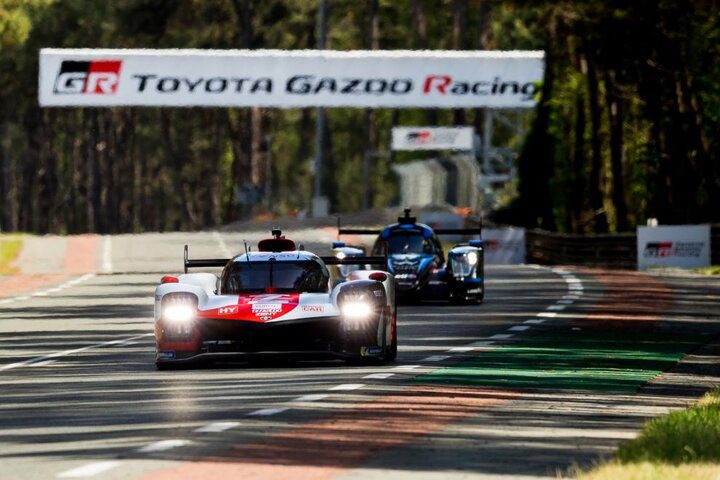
[[555, 369]]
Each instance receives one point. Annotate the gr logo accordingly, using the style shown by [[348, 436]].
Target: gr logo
[[93, 77]]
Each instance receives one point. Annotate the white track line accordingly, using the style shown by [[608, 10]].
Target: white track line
[[557, 308], [43, 363], [379, 376], [217, 427], [547, 314], [266, 412], [163, 445], [313, 397], [221, 243], [407, 367], [65, 353], [518, 328], [502, 336], [347, 386], [47, 291], [107, 265], [89, 470], [460, 349], [482, 343], [436, 358], [534, 321]]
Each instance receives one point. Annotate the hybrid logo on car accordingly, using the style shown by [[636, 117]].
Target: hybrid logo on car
[[97, 77]]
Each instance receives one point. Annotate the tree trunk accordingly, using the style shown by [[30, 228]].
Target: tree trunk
[[482, 38], [617, 147], [535, 165], [577, 178], [372, 43], [595, 180], [138, 172], [91, 171], [459, 43], [420, 42], [250, 133], [701, 146], [7, 181]]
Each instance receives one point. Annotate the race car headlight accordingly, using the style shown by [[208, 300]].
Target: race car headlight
[[356, 310], [341, 255], [178, 308], [472, 258], [178, 313], [463, 264]]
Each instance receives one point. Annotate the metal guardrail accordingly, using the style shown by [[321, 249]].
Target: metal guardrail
[[612, 250]]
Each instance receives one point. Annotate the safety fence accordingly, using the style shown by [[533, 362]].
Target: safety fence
[[612, 250]]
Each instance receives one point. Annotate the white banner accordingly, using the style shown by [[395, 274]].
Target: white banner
[[504, 246], [685, 246], [432, 138], [285, 79]]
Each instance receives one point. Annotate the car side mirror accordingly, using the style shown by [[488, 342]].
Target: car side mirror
[[476, 243]]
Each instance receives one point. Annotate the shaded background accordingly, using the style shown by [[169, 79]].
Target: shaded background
[[626, 128]]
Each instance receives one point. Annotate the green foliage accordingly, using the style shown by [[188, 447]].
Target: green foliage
[[10, 247], [691, 435], [681, 445], [647, 67], [133, 169]]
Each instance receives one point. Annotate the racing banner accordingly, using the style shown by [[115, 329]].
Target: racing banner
[[286, 79], [685, 246], [504, 246], [432, 138]]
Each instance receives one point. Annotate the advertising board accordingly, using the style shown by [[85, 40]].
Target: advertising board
[[685, 246], [432, 138], [286, 79]]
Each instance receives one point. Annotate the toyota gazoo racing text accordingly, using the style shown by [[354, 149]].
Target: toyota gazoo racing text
[[278, 300], [417, 261]]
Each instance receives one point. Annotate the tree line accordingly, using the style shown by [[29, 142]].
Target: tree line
[[624, 129]]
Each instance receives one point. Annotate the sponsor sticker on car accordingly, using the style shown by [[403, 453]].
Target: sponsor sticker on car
[[312, 308], [370, 351]]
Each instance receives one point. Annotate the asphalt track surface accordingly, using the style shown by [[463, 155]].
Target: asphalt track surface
[[81, 397]]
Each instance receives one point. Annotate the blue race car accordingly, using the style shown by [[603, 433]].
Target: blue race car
[[417, 260]]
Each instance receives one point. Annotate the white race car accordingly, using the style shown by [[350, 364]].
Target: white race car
[[278, 300]]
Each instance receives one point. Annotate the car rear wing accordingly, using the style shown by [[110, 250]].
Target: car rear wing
[[376, 260], [202, 262], [438, 231], [221, 262], [358, 231], [458, 231]]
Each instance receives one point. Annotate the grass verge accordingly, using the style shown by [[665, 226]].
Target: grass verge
[[714, 270], [680, 445], [9, 250]]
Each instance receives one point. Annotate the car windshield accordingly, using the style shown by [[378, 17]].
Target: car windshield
[[408, 242], [273, 276]]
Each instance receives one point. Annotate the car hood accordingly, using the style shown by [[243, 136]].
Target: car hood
[[409, 261], [267, 308]]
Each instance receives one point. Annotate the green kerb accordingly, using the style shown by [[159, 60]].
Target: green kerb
[[573, 360]]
